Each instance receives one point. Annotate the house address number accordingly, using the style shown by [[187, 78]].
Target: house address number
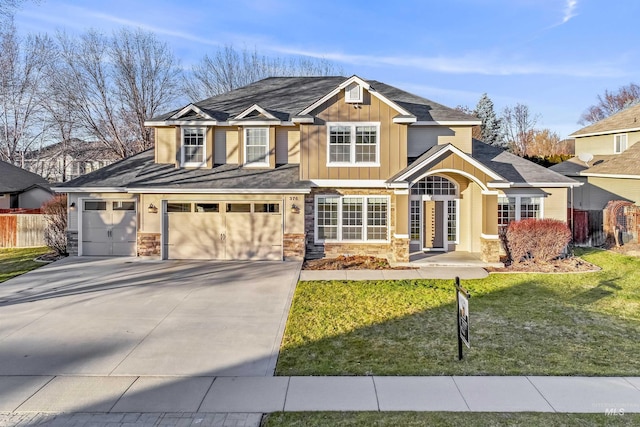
[[293, 197]]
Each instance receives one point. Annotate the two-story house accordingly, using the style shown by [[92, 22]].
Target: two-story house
[[607, 163], [290, 167]]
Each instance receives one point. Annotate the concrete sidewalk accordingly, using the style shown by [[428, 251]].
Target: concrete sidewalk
[[464, 273], [208, 395]]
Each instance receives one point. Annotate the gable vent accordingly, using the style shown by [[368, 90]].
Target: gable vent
[[353, 93]]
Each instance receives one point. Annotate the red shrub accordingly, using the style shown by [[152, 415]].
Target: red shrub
[[540, 240]]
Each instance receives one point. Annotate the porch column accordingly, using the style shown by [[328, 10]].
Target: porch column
[[489, 239], [400, 218]]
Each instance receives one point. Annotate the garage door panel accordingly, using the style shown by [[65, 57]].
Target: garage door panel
[[254, 236], [195, 235], [108, 232]]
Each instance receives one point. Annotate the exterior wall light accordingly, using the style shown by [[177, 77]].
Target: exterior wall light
[[295, 209], [152, 208], [72, 206]]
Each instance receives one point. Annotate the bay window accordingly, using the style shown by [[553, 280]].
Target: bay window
[[352, 218], [515, 208]]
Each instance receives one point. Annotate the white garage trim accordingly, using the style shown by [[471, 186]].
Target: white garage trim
[[81, 214]]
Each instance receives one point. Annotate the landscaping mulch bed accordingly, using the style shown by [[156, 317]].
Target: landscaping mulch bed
[[565, 265], [49, 257], [355, 262]]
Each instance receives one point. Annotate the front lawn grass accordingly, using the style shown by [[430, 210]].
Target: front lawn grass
[[437, 419], [16, 261], [521, 324]]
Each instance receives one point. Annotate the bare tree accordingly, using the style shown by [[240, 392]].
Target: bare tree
[[228, 69], [116, 83], [22, 71], [518, 128], [610, 103]]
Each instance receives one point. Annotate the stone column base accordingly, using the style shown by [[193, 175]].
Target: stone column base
[[149, 244], [72, 243], [400, 250], [294, 247], [490, 249]]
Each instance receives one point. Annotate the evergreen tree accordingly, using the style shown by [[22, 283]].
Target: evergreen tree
[[490, 127]]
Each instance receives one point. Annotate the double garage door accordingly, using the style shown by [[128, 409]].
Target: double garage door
[[108, 228], [223, 230]]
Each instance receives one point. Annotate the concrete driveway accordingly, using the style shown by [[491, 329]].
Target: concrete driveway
[[127, 316]]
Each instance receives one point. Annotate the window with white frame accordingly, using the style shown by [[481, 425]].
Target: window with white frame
[[434, 185], [353, 144], [256, 146], [515, 208], [352, 218], [193, 147], [452, 221], [620, 143]]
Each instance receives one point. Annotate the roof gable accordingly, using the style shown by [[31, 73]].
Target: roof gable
[[190, 111]]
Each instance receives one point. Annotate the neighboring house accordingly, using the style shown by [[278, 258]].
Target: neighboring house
[[607, 162], [63, 162], [21, 189], [310, 166]]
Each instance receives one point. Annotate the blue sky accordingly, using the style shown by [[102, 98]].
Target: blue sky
[[553, 55]]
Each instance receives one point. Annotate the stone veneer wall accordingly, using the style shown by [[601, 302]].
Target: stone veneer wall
[[72, 243], [490, 250], [294, 247], [396, 250], [149, 244]]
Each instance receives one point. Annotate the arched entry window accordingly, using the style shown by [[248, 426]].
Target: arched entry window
[[434, 219], [434, 185]]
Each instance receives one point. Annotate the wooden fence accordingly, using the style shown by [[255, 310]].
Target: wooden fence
[[21, 230]]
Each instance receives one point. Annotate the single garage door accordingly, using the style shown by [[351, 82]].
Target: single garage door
[[108, 228], [223, 230]]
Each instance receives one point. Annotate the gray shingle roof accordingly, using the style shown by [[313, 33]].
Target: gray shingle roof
[[573, 166], [508, 166], [15, 180], [629, 118], [141, 172], [284, 97], [625, 163], [514, 168]]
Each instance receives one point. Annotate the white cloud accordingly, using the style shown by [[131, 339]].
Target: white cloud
[[569, 10], [482, 63]]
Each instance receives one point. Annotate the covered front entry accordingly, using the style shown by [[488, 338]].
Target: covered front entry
[[108, 227], [231, 230], [434, 214]]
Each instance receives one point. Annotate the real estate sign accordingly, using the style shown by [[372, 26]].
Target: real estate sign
[[462, 305]]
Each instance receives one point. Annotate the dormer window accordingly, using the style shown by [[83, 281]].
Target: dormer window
[[193, 147], [256, 146], [353, 94], [620, 143]]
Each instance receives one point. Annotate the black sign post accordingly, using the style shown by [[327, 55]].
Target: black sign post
[[462, 309]]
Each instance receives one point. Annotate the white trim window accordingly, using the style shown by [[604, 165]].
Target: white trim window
[[193, 148], [619, 143], [352, 219], [256, 146], [515, 208], [353, 144]]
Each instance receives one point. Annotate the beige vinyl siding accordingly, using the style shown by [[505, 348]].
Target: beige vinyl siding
[[597, 192], [209, 144], [555, 204], [453, 161], [392, 139], [220, 146], [167, 140], [603, 144]]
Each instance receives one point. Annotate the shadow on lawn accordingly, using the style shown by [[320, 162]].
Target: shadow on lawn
[[526, 328]]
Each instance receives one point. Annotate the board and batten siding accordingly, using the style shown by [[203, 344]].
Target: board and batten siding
[[393, 140], [421, 138]]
